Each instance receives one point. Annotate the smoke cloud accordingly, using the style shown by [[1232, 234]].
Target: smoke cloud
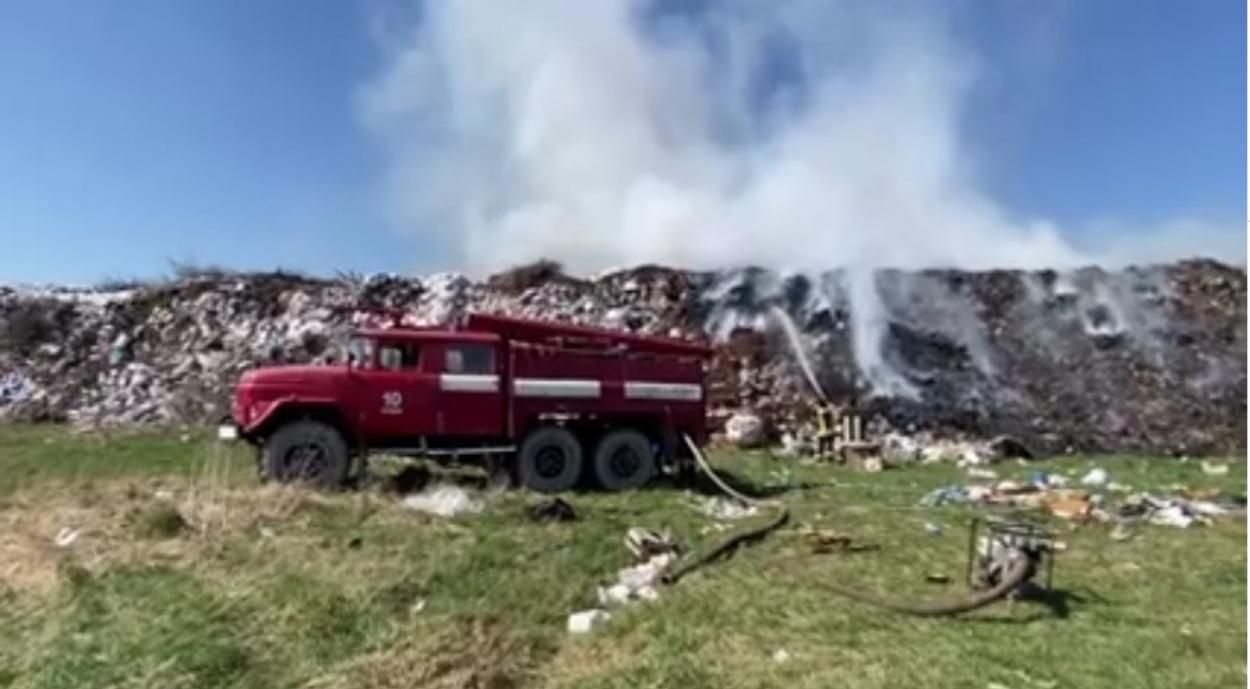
[[795, 134], [798, 135]]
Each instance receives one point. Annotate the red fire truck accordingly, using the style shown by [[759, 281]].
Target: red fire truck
[[555, 401]]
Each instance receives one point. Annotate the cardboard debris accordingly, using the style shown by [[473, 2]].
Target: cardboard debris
[[1070, 505], [824, 540]]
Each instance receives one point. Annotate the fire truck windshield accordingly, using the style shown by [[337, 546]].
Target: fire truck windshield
[[360, 352]]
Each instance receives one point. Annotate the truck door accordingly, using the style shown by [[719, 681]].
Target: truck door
[[470, 391], [397, 393]]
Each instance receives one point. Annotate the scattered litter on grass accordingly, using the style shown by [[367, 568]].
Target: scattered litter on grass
[[644, 543], [65, 537], [653, 553], [945, 495], [554, 510], [1044, 491], [586, 620], [1172, 515], [725, 509], [1070, 505], [933, 529], [1121, 533], [1096, 477], [744, 430], [443, 500], [936, 578], [827, 540], [781, 655], [978, 472], [1212, 469], [637, 582], [1175, 511], [871, 465], [1044, 480]]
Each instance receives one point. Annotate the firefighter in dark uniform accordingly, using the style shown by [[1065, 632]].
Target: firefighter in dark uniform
[[826, 427]]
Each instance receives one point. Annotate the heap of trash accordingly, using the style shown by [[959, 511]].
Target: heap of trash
[[1143, 359]]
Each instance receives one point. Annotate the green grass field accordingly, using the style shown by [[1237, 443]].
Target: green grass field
[[185, 572]]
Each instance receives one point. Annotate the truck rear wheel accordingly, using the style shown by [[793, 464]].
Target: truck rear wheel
[[307, 451], [623, 460], [550, 460]]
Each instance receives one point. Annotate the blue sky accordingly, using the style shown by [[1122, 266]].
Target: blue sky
[[137, 132]]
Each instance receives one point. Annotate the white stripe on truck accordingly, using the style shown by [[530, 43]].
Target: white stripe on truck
[[685, 392], [468, 382], [556, 387]]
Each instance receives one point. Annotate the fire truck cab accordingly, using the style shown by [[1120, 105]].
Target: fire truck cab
[[559, 403]]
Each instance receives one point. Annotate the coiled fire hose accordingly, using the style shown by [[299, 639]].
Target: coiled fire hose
[[1019, 565]]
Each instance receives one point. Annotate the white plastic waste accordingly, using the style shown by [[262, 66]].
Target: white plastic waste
[[586, 620], [1212, 469], [744, 429], [1096, 477], [65, 537], [443, 500], [1173, 515], [724, 509]]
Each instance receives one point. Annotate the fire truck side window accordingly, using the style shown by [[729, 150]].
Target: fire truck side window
[[470, 358], [360, 352], [396, 356]]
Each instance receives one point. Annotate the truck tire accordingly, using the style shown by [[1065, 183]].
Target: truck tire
[[550, 460], [624, 460], [308, 451]]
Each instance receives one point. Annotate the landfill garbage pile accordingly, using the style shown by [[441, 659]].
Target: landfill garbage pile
[[1144, 359]]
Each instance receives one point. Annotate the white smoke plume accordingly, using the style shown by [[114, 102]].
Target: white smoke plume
[[792, 134], [620, 132]]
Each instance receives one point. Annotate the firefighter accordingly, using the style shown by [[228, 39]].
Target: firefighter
[[826, 426]]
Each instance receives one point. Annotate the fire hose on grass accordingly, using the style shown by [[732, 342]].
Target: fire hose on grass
[[1013, 556], [735, 541]]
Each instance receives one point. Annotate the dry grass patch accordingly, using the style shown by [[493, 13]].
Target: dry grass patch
[[474, 653], [115, 523]]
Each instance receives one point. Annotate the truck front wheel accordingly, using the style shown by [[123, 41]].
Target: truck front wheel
[[550, 460], [307, 451], [624, 460]]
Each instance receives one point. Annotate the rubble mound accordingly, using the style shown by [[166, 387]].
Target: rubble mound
[[1149, 359]]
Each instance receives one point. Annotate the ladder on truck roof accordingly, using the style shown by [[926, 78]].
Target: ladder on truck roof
[[561, 333]]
